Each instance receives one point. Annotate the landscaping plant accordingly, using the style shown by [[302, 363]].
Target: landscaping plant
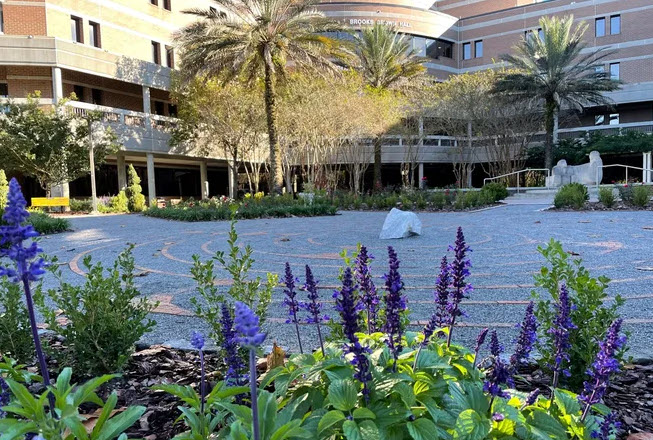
[[571, 195], [641, 195], [606, 196], [16, 340], [45, 224], [494, 192], [134, 191], [4, 190], [105, 316]]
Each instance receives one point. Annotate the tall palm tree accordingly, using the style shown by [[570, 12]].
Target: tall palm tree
[[253, 39], [386, 60], [556, 71]]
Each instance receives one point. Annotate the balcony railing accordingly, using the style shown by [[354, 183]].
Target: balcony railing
[[129, 118]]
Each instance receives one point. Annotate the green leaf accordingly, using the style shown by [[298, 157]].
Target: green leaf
[[267, 413], [405, 393], [471, 426], [363, 413], [350, 429], [369, 430], [421, 429], [543, 421], [118, 424], [343, 395], [331, 418], [566, 402]]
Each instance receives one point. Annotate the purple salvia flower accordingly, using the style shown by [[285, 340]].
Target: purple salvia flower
[[369, 297], [28, 266], [459, 286], [197, 341], [532, 397], [605, 365], [526, 339], [395, 305], [480, 340], [5, 396], [498, 417], [500, 372], [608, 427], [429, 329], [441, 293], [291, 301], [560, 330], [246, 324], [314, 306], [232, 358]]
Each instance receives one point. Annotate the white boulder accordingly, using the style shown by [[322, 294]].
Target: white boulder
[[400, 224]]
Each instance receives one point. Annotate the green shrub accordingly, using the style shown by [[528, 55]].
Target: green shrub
[[119, 203], [16, 341], [572, 195], [590, 313], [4, 190], [606, 196], [81, 205], [45, 224], [494, 192], [134, 191], [438, 199], [105, 316], [626, 193], [472, 199], [641, 195]]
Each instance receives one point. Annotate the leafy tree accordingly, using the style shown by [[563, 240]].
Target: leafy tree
[[134, 191], [556, 71], [254, 38], [386, 60], [49, 144], [4, 189]]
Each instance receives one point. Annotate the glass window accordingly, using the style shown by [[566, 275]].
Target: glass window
[[478, 49], [170, 57], [94, 34], [172, 110], [431, 48], [599, 69], [419, 46], [599, 27], [76, 29], [540, 33], [614, 119], [599, 119], [467, 51], [96, 96], [156, 52], [79, 92], [615, 24], [2, 20], [4, 90], [158, 108], [167, 5], [444, 49], [154, 2], [614, 70]]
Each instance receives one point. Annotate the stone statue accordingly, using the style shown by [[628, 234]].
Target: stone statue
[[586, 174]]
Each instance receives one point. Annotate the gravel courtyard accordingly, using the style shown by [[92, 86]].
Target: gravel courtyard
[[504, 258]]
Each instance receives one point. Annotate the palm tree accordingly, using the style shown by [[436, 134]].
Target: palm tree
[[254, 38], [386, 60], [555, 71]]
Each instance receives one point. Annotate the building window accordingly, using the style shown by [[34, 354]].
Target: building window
[[167, 5], [599, 120], [79, 92], [96, 96], [158, 108], [478, 49], [94, 34], [2, 19], [76, 29], [156, 52], [599, 27], [467, 51], [615, 24], [170, 57], [444, 48], [4, 90], [419, 46], [540, 33], [614, 119], [614, 70], [172, 110], [154, 2]]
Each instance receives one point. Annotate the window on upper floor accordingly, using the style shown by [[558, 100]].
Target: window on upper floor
[[96, 96], [156, 52], [599, 120], [172, 110], [599, 27], [443, 49], [478, 49], [76, 29], [614, 119], [167, 5], [615, 24], [159, 108], [154, 2], [170, 57], [2, 19], [467, 51], [79, 92], [540, 34], [615, 70], [95, 38], [4, 90]]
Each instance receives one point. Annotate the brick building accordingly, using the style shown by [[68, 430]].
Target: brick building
[[117, 56]]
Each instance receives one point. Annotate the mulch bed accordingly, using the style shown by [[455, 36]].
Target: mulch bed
[[598, 206], [631, 394]]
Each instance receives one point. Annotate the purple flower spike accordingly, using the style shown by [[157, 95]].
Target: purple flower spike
[[5, 396], [395, 305], [314, 306], [608, 427], [197, 340], [480, 340], [560, 330], [500, 372], [527, 338], [460, 289], [605, 365], [369, 297], [532, 397], [291, 301], [246, 324], [442, 285], [232, 360]]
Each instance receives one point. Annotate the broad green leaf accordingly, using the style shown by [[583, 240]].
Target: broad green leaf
[[267, 413], [405, 393], [363, 413], [343, 395], [471, 426], [543, 421], [566, 402], [119, 423], [505, 427], [330, 419], [350, 429], [369, 431], [422, 429]]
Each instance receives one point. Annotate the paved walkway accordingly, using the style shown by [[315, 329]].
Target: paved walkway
[[504, 240]]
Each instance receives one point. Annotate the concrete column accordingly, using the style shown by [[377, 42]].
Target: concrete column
[[231, 177], [122, 172], [151, 184], [57, 85], [420, 171], [647, 162], [204, 180], [147, 105]]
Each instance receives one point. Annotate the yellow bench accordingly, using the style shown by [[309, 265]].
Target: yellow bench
[[45, 202]]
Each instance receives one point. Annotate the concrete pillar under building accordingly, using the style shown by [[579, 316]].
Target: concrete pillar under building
[[420, 176], [151, 183], [57, 85], [122, 172], [647, 163], [232, 179], [147, 105], [204, 180]]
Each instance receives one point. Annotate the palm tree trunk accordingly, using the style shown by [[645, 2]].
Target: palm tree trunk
[[276, 173], [549, 124], [378, 182]]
